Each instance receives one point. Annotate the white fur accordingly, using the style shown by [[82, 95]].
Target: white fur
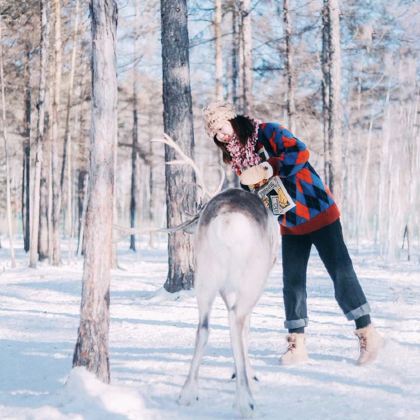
[[234, 255]]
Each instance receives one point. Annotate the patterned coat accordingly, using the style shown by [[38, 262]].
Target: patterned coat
[[315, 206]]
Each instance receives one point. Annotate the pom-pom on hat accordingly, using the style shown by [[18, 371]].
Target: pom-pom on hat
[[216, 114]]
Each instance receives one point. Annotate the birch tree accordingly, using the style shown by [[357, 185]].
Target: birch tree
[[44, 46], [178, 124], [91, 348]]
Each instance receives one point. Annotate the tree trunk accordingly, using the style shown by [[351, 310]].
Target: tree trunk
[[178, 123], [364, 196], [6, 154], [26, 152], [56, 203], [26, 168], [67, 134], [151, 186], [384, 174], [134, 151], [49, 171], [91, 348], [44, 46], [406, 235], [44, 199], [70, 95], [325, 84], [72, 206], [82, 207], [246, 50], [334, 100], [290, 104], [218, 50], [231, 180], [134, 170], [235, 54]]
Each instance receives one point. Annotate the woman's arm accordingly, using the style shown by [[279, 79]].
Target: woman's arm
[[291, 154]]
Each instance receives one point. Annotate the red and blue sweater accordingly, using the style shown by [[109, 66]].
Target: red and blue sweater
[[315, 206]]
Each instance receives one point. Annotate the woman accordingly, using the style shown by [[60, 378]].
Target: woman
[[257, 151]]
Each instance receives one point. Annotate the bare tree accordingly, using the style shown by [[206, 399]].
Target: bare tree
[[246, 55], [26, 164], [288, 58], [6, 153], [67, 148], [44, 235], [92, 343], [151, 184], [56, 209], [44, 46], [234, 76], [46, 195], [218, 50], [332, 52], [135, 135], [178, 124], [325, 87], [82, 199]]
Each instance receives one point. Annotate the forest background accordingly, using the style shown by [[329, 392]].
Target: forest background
[[266, 56]]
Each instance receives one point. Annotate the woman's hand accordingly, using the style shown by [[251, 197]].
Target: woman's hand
[[256, 174]]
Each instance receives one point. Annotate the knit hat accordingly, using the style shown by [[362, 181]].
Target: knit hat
[[216, 114]]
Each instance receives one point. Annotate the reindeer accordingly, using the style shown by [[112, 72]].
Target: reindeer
[[235, 243]]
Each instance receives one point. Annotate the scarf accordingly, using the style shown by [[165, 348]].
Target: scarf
[[243, 157]]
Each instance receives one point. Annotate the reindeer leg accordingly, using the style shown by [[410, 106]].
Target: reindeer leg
[[244, 398], [229, 302], [250, 371], [189, 392]]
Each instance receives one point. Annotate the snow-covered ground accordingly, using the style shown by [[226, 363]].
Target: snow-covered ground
[[151, 343]]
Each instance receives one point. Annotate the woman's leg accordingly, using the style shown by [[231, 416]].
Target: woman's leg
[[295, 252], [348, 292]]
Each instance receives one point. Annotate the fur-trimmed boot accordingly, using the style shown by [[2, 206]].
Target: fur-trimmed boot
[[370, 343], [296, 350]]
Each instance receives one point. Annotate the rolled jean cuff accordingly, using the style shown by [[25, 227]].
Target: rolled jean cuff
[[358, 312], [296, 323]]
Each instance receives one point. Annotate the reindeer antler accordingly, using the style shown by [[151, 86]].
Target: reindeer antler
[[186, 160]]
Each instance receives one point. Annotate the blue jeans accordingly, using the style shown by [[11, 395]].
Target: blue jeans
[[333, 252]]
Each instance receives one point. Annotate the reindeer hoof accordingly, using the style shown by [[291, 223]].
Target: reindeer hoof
[[245, 405], [255, 377], [246, 410], [188, 395]]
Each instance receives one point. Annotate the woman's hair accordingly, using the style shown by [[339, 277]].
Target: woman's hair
[[243, 128]]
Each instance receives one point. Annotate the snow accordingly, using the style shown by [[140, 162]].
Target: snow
[[152, 336], [84, 396]]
